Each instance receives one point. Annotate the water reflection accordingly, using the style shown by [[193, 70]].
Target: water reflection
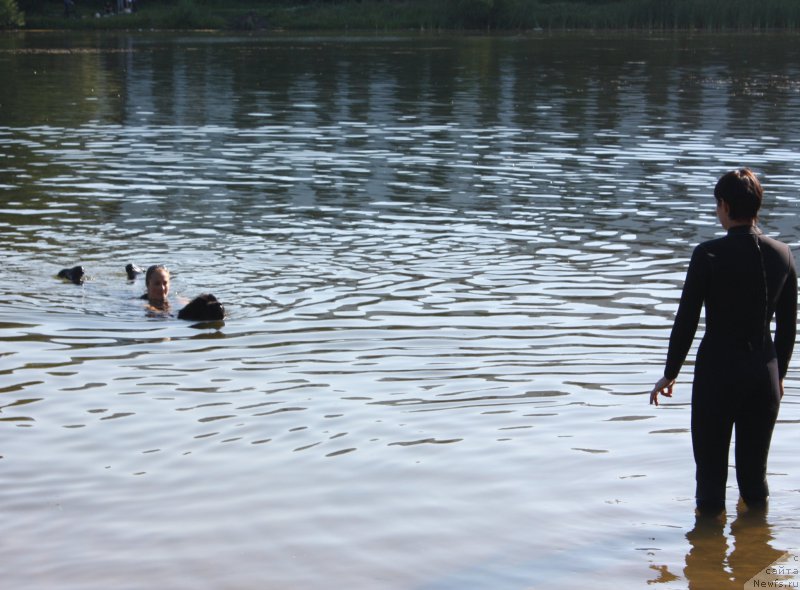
[[709, 564]]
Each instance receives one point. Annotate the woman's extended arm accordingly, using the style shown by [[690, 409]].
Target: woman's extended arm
[[685, 325], [786, 320]]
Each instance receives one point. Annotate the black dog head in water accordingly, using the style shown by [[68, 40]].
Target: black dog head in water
[[203, 307], [132, 271], [76, 274]]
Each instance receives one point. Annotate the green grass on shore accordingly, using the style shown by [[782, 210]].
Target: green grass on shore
[[396, 15]]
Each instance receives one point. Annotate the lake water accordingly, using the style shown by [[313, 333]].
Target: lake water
[[450, 266]]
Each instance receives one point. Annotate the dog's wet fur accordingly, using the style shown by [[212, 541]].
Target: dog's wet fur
[[76, 274], [133, 271], [204, 307]]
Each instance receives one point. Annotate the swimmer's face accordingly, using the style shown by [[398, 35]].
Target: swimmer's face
[[158, 285]]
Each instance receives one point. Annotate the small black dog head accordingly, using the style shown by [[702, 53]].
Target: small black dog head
[[132, 271], [76, 274], [204, 308]]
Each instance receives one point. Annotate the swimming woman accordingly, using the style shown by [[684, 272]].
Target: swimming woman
[[743, 279], [204, 307], [156, 281]]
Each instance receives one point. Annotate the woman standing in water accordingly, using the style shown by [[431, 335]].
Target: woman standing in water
[[744, 279]]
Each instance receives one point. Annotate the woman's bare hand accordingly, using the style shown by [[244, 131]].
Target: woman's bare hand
[[664, 387]]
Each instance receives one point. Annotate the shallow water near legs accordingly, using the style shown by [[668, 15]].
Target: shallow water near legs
[[450, 266]]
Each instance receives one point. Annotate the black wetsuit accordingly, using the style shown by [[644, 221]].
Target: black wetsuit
[[744, 280]]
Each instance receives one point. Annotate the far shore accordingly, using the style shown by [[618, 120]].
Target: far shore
[[354, 16]]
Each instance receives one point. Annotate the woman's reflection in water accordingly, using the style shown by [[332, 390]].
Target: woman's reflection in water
[[706, 565]]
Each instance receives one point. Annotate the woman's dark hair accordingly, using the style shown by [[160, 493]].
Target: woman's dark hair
[[742, 192]]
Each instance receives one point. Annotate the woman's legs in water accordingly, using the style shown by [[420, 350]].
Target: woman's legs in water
[[743, 391], [711, 438], [755, 422]]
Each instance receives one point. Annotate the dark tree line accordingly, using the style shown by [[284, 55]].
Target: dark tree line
[[423, 14]]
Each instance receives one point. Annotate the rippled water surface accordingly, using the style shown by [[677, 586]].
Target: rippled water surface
[[450, 266]]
